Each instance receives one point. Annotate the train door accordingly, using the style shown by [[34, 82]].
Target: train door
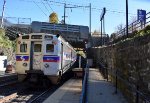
[[37, 55]]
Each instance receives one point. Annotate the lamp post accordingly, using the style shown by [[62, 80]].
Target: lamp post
[[127, 17], [102, 23], [64, 13]]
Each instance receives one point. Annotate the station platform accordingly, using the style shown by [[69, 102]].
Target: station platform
[[78, 72], [101, 91], [68, 93]]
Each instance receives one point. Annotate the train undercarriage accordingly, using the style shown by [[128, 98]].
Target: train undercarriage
[[38, 78]]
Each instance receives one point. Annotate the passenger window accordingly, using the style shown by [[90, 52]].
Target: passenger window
[[23, 47], [49, 48], [37, 47]]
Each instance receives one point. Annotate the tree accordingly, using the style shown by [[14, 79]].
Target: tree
[[113, 36], [7, 47], [96, 32], [53, 18], [4, 42], [120, 27]]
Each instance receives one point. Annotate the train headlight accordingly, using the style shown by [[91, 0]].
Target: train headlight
[[46, 65], [25, 64]]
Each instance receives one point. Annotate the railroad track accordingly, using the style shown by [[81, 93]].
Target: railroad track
[[8, 81], [30, 95], [44, 95], [40, 98], [20, 93], [10, 91], [23, 94]]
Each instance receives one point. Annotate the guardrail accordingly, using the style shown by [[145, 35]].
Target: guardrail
[[136, 25], [139, 95], [83, 98]]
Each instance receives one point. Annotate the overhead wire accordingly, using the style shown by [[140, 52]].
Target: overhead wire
[[77, 6], [12, 31], [45, 6], [39, 7], [49, 5], [86, 6]]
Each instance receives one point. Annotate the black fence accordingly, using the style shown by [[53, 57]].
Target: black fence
[[134, 26], [139, 96]]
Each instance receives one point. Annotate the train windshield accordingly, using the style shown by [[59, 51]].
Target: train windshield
[[49, 48], [37, 47]]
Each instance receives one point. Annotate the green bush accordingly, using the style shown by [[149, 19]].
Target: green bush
[[148, 31], [146, 28], [5, 42], [134, 34]]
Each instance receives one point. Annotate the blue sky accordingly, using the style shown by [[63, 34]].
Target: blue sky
[[37, 11]]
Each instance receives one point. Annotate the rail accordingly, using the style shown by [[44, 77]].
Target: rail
[[33, 100], [136, 25], [83, 98], [8, 80], [139, 95]]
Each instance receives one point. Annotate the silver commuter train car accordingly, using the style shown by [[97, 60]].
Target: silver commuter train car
[[41, 53]]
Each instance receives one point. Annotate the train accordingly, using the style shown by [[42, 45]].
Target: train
[[41, 55]]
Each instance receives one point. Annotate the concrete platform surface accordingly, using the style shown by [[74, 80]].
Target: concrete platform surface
[[78, 72], [101, 91], [68, 93], [77, 69]]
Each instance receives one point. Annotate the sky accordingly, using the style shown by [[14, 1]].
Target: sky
[[39, 10]]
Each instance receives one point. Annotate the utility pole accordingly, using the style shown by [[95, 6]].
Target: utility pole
[[90, 19], [127, 17], [2, 19], [101, 33], [103, 38], [64, 13]]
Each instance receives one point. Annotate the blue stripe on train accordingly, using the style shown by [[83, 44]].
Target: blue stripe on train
[[22, 58]]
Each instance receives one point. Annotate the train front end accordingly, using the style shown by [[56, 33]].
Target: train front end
[[38, 57]]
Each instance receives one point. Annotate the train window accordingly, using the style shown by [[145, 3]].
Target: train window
[[36, 37], [25, 37], [23, 47], [48, 37], [37, 47], [49, 48]]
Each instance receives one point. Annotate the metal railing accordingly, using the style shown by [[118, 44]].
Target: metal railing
[[139, 95], [83, 98], [136, 25]]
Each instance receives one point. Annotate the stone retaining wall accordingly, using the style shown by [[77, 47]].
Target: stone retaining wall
[[132, 60]]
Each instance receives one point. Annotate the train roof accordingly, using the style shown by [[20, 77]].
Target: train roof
[[54, 36]]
